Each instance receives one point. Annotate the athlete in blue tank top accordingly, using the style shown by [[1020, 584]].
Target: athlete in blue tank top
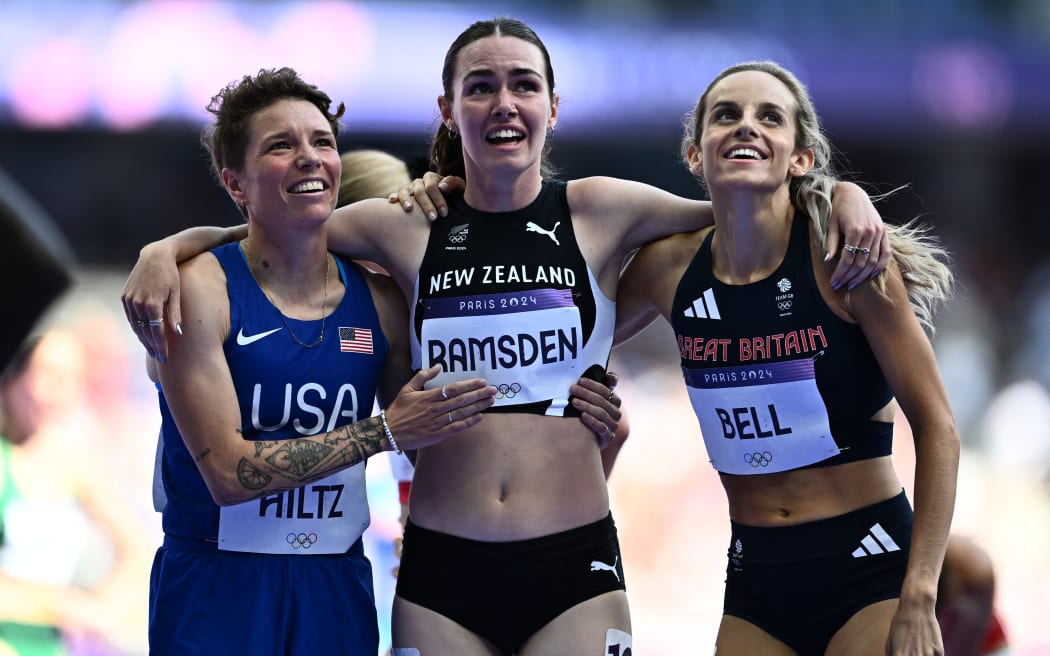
[[265, 397]]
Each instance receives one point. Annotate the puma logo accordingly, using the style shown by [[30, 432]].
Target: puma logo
[[532, 227], [597, 565]]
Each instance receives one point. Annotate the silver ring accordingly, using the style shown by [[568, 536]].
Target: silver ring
[[850, 249], [140, 323], [450, 416], [864, 250], [443, 394], [612, 393], [156, 322]]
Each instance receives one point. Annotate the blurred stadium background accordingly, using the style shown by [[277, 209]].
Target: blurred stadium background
[[101, 102]]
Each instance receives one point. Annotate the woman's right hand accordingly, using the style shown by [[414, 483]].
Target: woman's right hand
[[429, 193], [151, 298]]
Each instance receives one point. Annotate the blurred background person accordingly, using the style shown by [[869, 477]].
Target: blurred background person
[[58, 595], [970, 623]]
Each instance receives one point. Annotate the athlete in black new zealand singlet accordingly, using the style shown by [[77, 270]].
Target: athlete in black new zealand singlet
[[508, 297]]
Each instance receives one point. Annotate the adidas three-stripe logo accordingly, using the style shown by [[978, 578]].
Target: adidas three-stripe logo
[[703, 307], [877, 541]]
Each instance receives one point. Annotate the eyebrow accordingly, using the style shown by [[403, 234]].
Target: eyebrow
[[735, 105], [287, 134], [488, 72]]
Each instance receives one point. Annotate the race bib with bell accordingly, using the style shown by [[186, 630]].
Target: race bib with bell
[[761, 419], [324, 517], [521, 335]]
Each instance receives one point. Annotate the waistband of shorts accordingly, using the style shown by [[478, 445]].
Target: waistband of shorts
[[437, 539], [822, 535], [199, 545]]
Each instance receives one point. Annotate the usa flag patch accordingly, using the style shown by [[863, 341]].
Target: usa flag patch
[[355, 340]]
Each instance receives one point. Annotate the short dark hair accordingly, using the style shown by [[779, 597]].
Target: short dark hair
[[226, 140]]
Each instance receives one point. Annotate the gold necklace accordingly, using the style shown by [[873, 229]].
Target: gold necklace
[[324, 302]]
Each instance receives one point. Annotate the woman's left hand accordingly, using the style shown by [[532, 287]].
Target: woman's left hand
[[914, 631], [599, 405]]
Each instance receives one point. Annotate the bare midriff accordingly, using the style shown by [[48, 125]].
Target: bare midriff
[[511, 477], [806, 495]]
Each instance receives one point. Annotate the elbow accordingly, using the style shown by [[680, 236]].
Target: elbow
[[222, 500], [225, 498], [227, 490], [944, 429]]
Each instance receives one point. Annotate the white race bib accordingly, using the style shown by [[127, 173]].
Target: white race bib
[[521, 334], [323, 517], [761, 419]]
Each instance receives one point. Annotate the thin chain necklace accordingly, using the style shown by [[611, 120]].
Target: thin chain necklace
[[324, 302]]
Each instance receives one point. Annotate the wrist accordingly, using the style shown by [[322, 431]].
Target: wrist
[[389, 435], [918, 595]]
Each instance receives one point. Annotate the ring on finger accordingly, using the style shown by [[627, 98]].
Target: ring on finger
[[450, 416], [850, 248], [141, 323], [156, 322], [612, 393], [444, 394]]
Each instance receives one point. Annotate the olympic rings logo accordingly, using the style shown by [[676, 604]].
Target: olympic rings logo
[[458, 234], [301, 540], [505, 391], [757, 459], [783, 305]]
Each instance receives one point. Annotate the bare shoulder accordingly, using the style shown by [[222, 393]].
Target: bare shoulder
[[675, 249], [201, 270], [381, 232], [638, 213], [205, 297], [603, 193]]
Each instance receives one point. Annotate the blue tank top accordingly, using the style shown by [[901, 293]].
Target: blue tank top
[[754, 347], [284, 390], [508, 297]]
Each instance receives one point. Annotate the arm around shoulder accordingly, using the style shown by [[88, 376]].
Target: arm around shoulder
[[151, 291]]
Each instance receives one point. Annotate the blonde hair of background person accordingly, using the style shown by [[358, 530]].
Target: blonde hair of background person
[[370, 173], [52, 490]]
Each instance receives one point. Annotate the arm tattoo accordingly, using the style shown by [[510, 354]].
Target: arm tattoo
[[251, 477], [304, 460], [297, 457]]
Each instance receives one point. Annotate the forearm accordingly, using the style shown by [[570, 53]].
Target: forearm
[[268, 467], [193, 241], [937, 463]]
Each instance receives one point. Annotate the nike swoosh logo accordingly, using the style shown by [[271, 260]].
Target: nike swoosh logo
[[245, 340]]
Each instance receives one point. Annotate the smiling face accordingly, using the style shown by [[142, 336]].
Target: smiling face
[[291, 166], [501, 105], [748, 134]]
